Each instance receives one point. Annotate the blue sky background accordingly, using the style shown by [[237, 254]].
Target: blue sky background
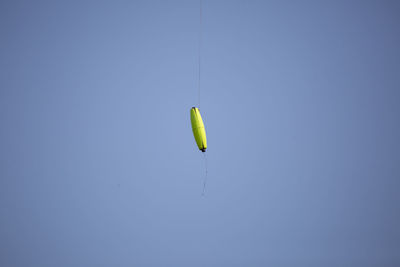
[[99, 167]]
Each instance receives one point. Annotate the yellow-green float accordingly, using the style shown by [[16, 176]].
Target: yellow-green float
[[199, 131]]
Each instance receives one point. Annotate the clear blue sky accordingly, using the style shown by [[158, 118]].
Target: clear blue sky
[[98, 165]]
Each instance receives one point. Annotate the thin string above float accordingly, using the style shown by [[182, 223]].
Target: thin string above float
[[199, 58]]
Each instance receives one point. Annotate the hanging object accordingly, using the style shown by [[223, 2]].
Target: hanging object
[[199, 131]]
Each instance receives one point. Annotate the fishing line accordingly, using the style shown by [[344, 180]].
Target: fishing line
[[200, 43], [199, 86], [206, 175]]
